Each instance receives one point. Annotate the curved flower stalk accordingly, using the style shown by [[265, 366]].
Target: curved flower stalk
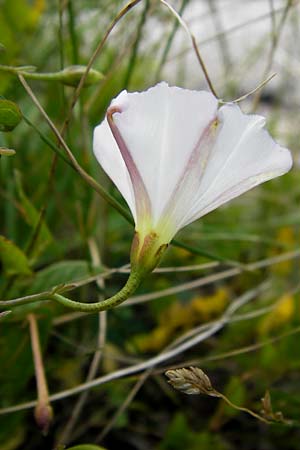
[[175, 156]]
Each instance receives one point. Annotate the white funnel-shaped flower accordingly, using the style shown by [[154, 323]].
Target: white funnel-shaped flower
[[175, 156]]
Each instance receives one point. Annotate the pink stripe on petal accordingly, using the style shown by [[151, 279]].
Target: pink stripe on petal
[[143, 204], [183, 197]]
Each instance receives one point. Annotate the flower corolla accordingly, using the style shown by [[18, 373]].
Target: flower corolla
[[175, 155]]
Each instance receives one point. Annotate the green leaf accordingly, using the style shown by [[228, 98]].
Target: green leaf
[[32, 217], [14, 261], [179, 436], [10, 115], [63, 272]]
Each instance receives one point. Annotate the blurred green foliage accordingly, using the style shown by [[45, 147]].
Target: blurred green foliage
[[86, 447], [52, 224]]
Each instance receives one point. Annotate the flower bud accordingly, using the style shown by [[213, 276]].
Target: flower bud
[[10, 115], [146, 252], [43, 414], [72, 75]]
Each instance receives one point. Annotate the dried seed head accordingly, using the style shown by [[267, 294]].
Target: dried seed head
[[191, 381], [268, 413]]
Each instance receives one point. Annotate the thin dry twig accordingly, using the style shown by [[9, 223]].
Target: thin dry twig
[[195, 46], [258, 88], [97, 51], [239, 351]]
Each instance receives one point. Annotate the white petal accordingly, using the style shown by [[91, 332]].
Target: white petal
[[108, 154], [243, 156], [161, 128]]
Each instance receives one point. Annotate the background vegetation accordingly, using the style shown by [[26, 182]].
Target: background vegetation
[[226, 300]]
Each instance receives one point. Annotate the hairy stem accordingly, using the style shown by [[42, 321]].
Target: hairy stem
[[130, 287]]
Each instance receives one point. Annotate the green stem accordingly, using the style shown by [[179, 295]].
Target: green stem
[[130, 287], [48, 142], [25, 71], [72, 28], [15, 70], [70, 76], [7, 304], [45, 76]]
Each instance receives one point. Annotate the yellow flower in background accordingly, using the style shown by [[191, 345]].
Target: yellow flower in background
[[282, 314], [180, 317], [286, 236]]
